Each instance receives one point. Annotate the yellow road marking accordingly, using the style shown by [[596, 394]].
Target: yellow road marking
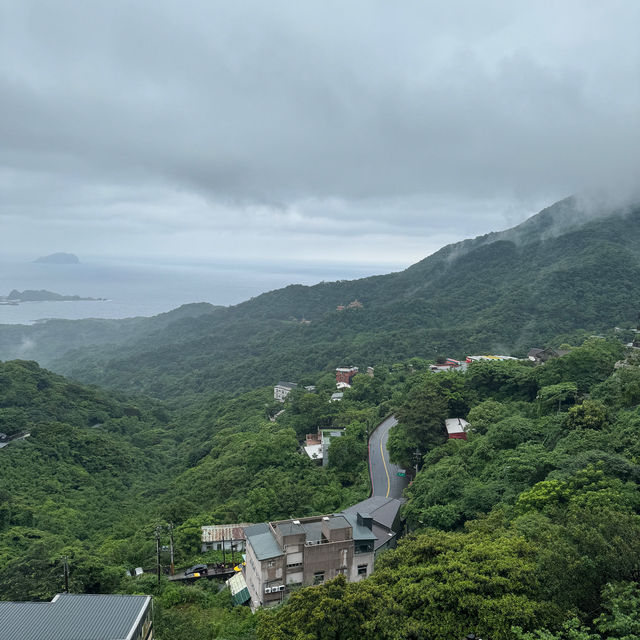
[[385, 469]]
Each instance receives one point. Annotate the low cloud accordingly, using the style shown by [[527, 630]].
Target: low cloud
[[304, 129]]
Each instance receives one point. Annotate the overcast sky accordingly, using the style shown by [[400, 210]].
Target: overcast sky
[[372, 132]]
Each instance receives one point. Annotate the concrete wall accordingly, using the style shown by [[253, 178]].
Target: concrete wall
[[358, 560]]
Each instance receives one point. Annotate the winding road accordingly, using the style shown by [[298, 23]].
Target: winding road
[[385, 481]]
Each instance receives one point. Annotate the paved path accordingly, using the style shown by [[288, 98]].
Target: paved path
[[22, 437], [384, 475]]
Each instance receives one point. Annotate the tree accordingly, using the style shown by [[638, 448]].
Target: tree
[[591, 414], [585, 365], [620, 619], [485, 414], [557, 393], [512, 431], [422, 420], [445, 584], [347, 453], [336, 610]]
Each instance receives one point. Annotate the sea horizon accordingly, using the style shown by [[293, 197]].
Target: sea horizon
[[139, 287]]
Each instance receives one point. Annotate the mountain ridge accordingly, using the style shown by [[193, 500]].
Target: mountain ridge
[[554, 273]]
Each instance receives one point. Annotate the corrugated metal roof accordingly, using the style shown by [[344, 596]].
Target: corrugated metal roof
[[456, 425], [238, 587], [73, 617], [215, 533]]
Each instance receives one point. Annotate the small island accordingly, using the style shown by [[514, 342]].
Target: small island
[[31, 295], [59, 258]]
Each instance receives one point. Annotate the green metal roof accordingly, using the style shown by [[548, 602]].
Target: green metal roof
[[359, 532], [239, 590], [74, 617]]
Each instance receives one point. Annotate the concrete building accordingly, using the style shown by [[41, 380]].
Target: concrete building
[[289, 553], [71, 617], [386, 522], [282, 390], [222, 536], [308, 551]]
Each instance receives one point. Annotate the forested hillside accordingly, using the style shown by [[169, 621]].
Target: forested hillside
[[531, 524], [558, 272], [98, 473], [528, 530]]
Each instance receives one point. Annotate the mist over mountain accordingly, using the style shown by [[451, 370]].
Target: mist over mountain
[[563, 269]]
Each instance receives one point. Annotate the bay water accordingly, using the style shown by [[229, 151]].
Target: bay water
[[142, 288]]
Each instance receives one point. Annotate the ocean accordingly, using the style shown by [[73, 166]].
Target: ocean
[[138, 288]]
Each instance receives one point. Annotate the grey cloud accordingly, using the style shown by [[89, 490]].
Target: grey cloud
[[296, 117]]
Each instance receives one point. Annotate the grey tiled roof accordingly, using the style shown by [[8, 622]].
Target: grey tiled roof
[[73, 617]]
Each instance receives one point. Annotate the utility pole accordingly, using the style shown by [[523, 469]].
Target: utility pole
[[158, 553], [173, 570], [417, 457], [66, 573], [233, 562], [224, 557]]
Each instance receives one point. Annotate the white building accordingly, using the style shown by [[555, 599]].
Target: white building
[[282, 390]]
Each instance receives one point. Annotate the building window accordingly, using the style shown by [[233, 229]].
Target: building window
[[294, 564], [342, 571], [272, 563], [362, 569], [318, 577]]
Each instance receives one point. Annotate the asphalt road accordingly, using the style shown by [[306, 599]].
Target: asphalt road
[[384, 475]]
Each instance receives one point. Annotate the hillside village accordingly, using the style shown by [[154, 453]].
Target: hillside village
[[368, 362], [281, 556], [372, 466]]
